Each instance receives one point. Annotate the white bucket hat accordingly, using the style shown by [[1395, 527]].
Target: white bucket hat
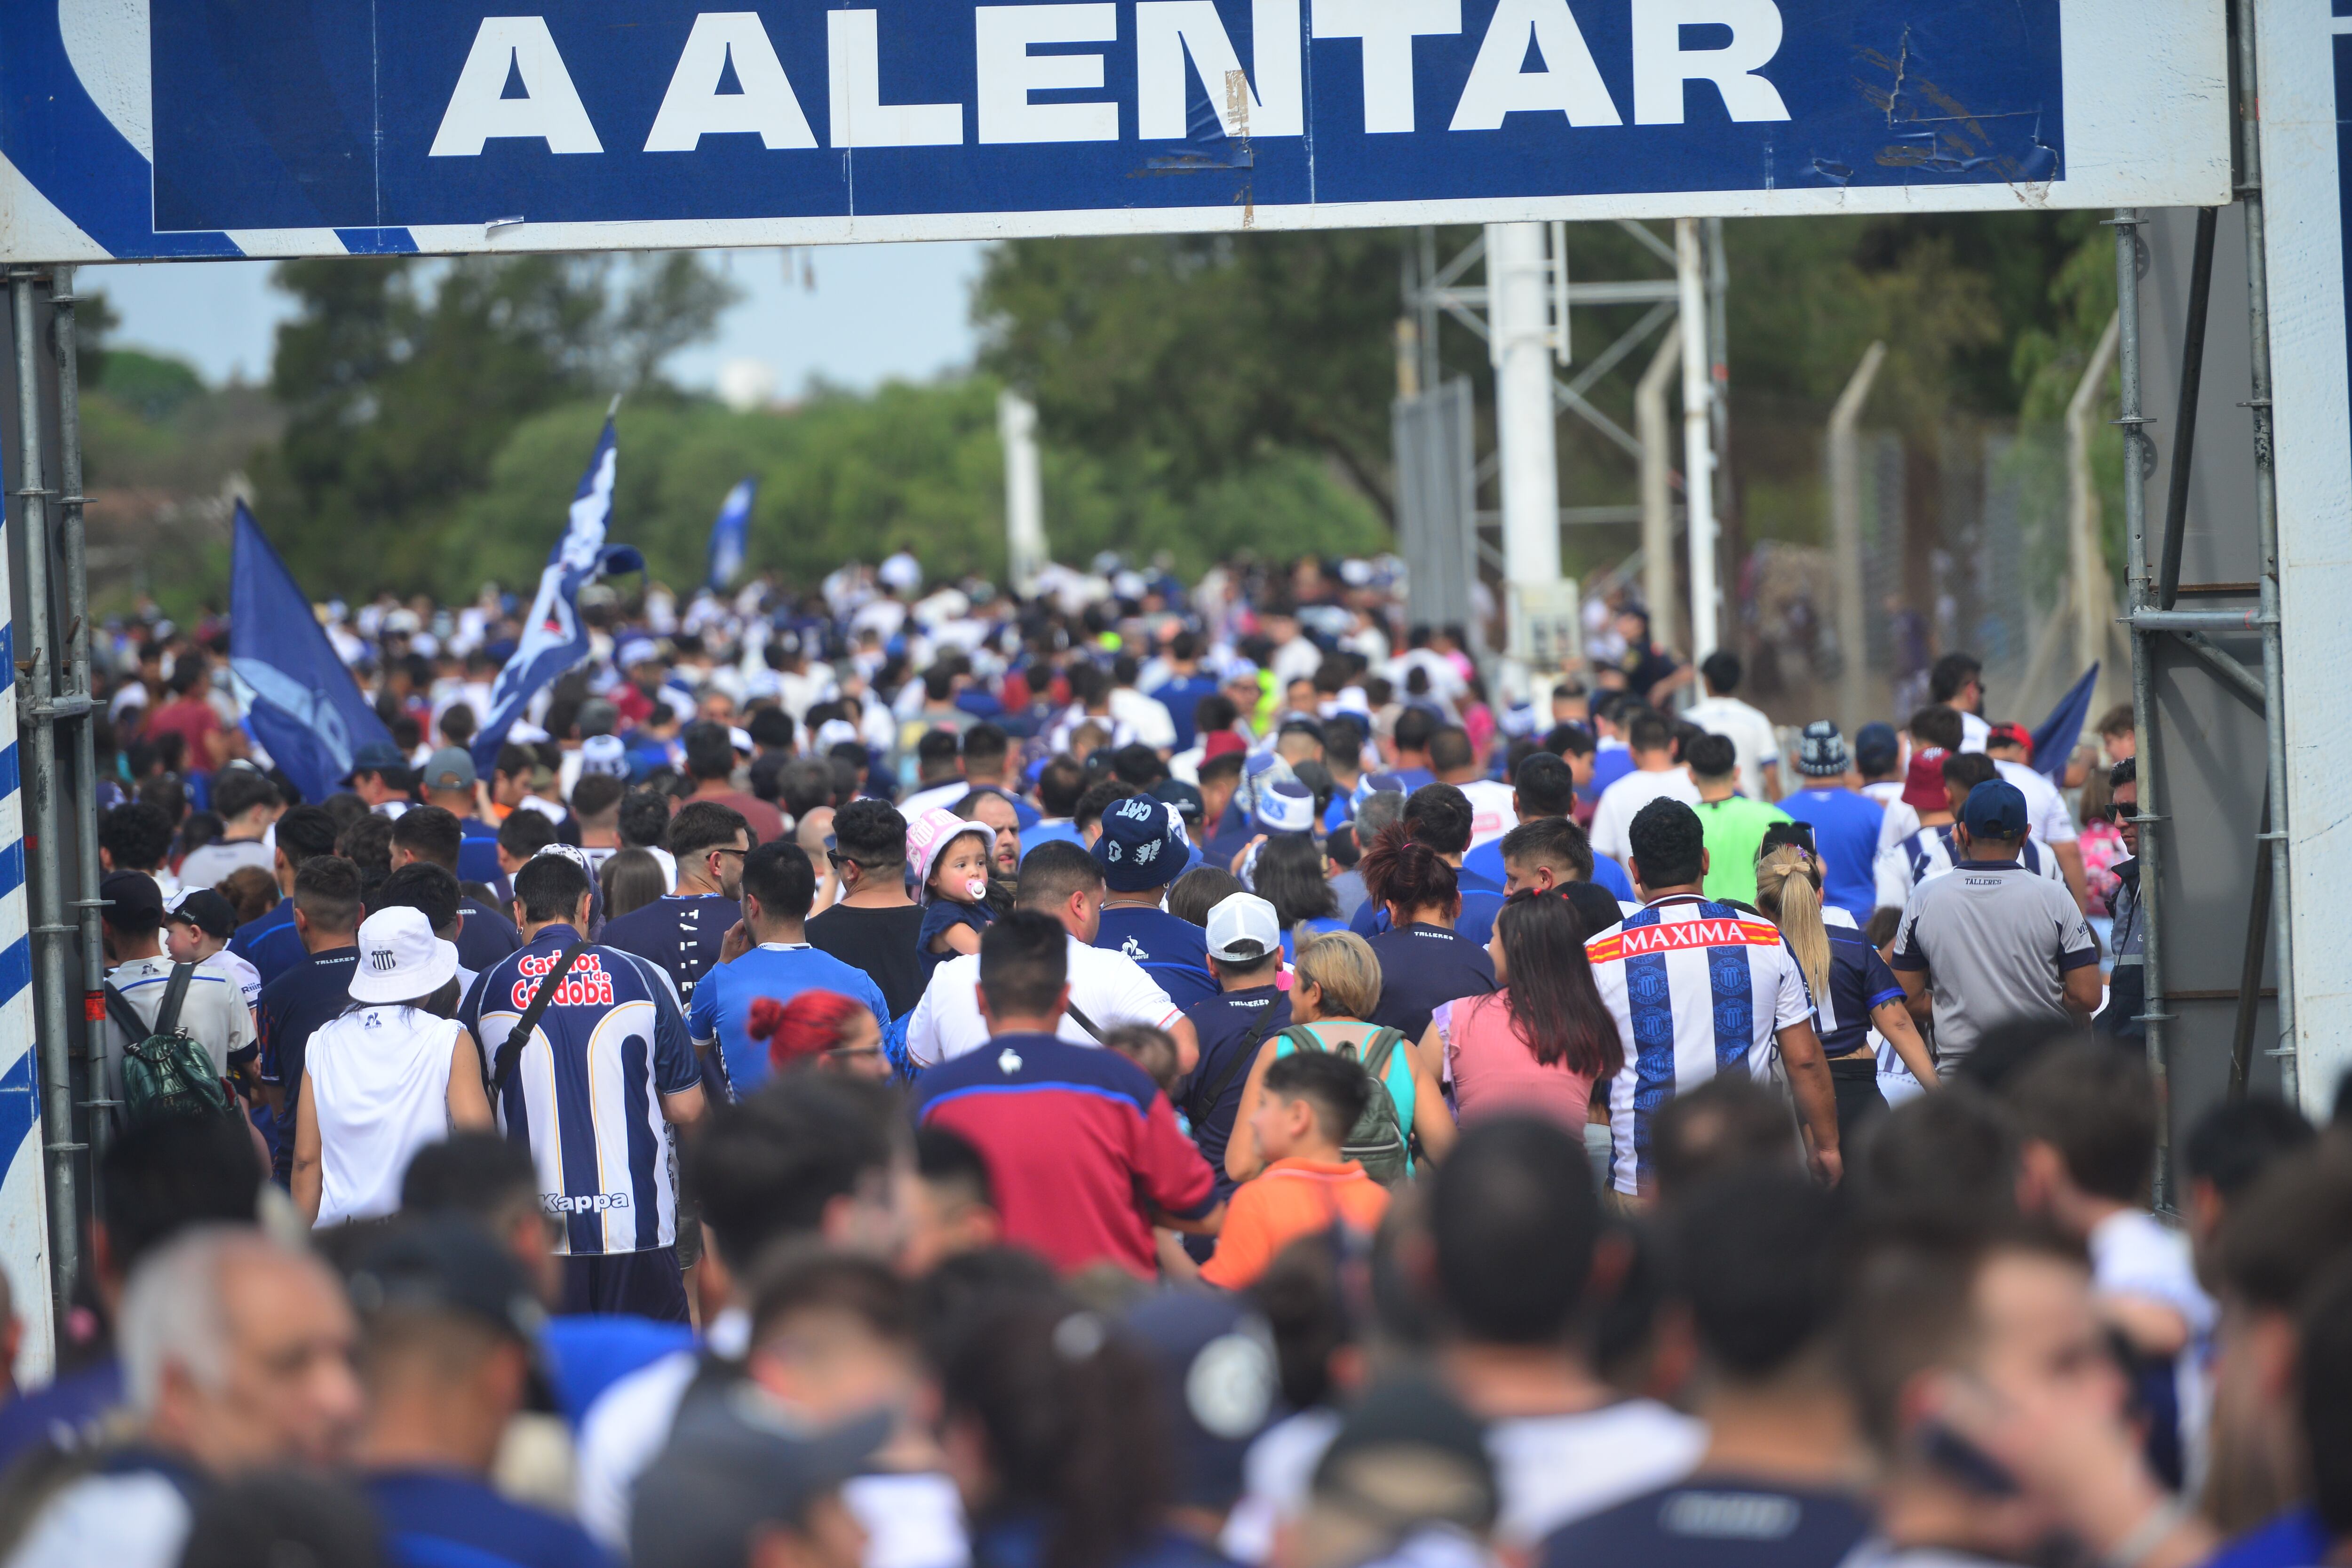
[[400, 958]]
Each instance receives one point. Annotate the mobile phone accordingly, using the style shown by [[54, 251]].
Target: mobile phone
[[1964, 1462]]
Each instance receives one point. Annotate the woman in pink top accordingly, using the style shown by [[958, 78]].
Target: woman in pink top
[[1539, 1044]]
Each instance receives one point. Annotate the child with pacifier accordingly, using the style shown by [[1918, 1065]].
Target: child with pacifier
[[949, 857]]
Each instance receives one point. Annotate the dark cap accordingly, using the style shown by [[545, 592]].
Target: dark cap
[[451, 1265], [1995, 809], [1396, 1454], [377, 757], [739, 1460], [1141, 847], [1220, 1386], [1876, 746], [1181, 798], [206, 910], [134, 902]]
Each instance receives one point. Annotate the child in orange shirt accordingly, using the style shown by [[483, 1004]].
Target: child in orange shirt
[[1311, 1100]]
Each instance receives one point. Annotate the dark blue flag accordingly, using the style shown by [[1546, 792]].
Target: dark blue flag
[[2055, 738], [300, 701], [726, 533], [554, 640]]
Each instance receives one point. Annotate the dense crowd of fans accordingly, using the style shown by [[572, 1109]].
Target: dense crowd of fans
[[1140, 1075]]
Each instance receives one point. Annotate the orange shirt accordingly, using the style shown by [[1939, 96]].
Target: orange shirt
[[1288, 1199]]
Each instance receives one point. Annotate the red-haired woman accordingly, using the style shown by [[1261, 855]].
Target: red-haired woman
[[819, 1028]]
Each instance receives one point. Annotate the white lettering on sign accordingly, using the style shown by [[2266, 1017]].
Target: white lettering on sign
[[694, 108], [860, 118], [549, 110], [1008, 72], [1167, 31], [1661, 64], [1569, 82], [1387, 29]]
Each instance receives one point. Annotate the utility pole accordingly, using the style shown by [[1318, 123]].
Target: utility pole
[[1698, 436], [1024, 507], [1518, 278]]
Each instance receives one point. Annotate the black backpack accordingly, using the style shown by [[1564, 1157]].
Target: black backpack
[[164, 1071]]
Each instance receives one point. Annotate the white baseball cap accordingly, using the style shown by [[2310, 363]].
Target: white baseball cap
[[605, 754], [400, 958], [1244, 921], [1287, 807]]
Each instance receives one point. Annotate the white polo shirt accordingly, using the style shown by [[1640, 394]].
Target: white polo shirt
[[1108, 986]]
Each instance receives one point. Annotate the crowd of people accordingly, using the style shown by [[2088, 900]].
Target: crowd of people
[[1139, 1076]]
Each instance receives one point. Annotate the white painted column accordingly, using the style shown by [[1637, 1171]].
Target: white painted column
[[1025, 505], [1518, 312], [1698, 436]]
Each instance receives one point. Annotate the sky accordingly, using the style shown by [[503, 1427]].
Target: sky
[[875, 312]]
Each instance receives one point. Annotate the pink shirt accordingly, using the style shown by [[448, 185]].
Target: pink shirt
[[1494, 1074]]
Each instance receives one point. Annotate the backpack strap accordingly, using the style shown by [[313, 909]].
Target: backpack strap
[[125, 1016], [1197, 1107], [1375, 1052], [175, 996], [511, 1049]]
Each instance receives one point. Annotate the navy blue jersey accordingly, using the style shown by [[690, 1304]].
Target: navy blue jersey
[[292, 1007], [1421, 966], [486, 937], [1173, 951], [680, 933], [438, 1519], [1477, 919], [271, 943], [1232, 1025], [1859, 981], [585, 1093], [1715, 1523]]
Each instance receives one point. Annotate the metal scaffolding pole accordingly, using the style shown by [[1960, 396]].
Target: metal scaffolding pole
[[2142, 567], [35, 706], [2258, 307], [74, 701]]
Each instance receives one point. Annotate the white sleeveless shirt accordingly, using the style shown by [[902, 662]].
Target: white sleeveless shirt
[[380, 1089]]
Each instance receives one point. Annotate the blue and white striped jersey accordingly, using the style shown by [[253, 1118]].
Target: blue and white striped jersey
[[586, 1094], [1931, 852], [1696, 987]]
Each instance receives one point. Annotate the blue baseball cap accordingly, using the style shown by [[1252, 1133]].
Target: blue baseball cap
[[1141, 847], [1221, 1383], [1370, 785], [1995, 809]]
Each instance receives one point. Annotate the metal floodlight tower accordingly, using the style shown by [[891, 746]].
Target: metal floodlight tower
[[1523, 313]]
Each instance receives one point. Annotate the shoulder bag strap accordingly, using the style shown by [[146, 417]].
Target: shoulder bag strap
[[125, 1016], [1197, 1106], [511, 1049], [175, 996], [1078, 1016]]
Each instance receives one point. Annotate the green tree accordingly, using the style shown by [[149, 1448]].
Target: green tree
[[853, 477], [1193, 358], [402, 383]]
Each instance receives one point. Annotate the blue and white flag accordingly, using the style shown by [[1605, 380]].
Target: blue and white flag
[[2055, 737], [726, 533], [553, 639], [300, 701]]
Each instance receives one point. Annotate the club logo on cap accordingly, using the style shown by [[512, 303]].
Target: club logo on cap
[[382, 959]]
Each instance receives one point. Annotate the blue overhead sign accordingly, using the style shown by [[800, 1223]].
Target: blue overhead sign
[[299, 126]]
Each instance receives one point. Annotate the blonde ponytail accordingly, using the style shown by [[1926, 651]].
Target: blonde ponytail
[[1789, 888]]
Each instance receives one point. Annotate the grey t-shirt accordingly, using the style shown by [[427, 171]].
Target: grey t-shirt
[[1996, 940]]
